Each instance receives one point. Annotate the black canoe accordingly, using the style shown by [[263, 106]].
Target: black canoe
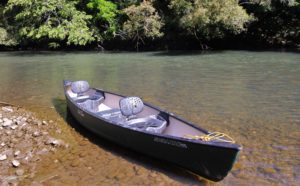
[[148, 129]]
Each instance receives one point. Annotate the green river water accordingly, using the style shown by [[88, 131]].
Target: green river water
[[252, 96]]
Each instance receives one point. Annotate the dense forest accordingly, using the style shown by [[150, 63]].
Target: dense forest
[[149, 24]]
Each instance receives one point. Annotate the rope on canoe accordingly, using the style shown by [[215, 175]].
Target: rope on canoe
[[218, 136]]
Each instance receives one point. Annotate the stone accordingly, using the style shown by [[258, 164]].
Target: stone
[[44, 123], [19, 172], [54, 142], [17, 153], [11, 179], [18, 122], [19, 134], [7, 123], [36, 134], [1, 121], [7, 109], [5, 119], [3, 157], [43, 151], [13, 127], [15, 163], [2, 144]]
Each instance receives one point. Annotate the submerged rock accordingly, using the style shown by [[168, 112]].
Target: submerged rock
[[7, 109], [15, 163], [7, 123], [19, 172], [17, 153], [3, 157]]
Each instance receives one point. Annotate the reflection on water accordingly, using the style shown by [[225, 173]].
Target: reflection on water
[[253, 96]]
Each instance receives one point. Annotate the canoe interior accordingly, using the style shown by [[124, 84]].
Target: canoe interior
[[175, 127]]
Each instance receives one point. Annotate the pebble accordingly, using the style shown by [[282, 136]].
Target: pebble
[[19, 172], [14, 127], [17, 153], [7, 123], [15, 163], [3, 157], [18, 122], [36, 134], [54, 142], [20, 144], [7, 109]]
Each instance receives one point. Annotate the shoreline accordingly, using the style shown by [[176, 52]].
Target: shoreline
[[25, 140]]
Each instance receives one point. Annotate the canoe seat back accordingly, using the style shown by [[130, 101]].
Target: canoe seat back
[[80, 87], [131, 106]]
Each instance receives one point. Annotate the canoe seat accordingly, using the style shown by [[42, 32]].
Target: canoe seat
[[114, 115], [130, 106], [90, 102], [80, 87], [153, 123]]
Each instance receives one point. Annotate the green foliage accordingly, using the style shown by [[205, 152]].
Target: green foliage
[[277, 25], [54, 45], [143, 22], [6, 39], [106, 13], [210, 19], [64, 22], [57, 20]]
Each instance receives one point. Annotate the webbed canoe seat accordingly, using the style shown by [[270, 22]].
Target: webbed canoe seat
[[86, 98], [131, 106]]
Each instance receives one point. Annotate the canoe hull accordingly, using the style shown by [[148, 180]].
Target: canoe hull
[[209, 161]]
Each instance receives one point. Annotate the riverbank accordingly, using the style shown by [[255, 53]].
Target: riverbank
[[25, 139]]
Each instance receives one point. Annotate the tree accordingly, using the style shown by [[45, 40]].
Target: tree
[[105, 14], [143, 22], [51, 21], [209, 19], [6, 37]]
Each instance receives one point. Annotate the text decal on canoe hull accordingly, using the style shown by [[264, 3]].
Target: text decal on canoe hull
[[170, 142]]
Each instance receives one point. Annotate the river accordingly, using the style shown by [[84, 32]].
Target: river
[[252, 96]]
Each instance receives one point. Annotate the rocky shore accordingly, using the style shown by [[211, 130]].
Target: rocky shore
[[24, 139]]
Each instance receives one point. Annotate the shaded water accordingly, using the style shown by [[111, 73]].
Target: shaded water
[[252, 96]]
